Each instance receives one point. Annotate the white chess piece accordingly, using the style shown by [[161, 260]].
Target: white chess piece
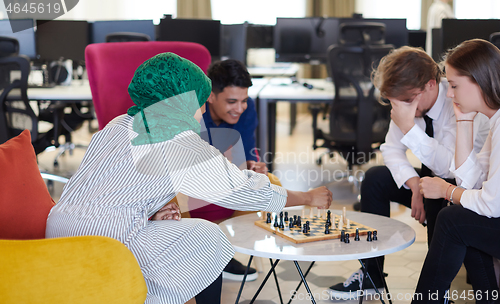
[[348, 225], [341, 222]]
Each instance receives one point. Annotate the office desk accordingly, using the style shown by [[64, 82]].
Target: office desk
[[288, 70], [247, 238], [78, 90], [281, 89]]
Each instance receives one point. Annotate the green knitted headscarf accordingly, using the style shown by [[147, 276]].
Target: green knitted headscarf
[[167, 90]]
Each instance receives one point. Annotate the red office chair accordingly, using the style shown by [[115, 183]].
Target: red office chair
[[111, 66]]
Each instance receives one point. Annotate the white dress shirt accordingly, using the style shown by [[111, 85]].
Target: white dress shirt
[[437, 152], [480, 173]]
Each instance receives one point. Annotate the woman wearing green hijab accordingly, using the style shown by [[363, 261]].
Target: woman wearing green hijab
[[140, 161]]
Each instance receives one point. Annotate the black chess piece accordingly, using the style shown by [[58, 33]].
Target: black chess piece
[[369, 238], [342, 235], [268, 220], [304, 229], [291, 224], [356, 237], [299, 221], [329, 214], [286, 216], [327, 229], [308, 227], [282, 223], [375, 235], [281, 215], [346, 238], [276, 221], [328, 222]]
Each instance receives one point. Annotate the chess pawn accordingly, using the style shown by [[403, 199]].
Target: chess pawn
[[276, 221], [342, 236], [356, 237], [291, 224], [375, 235], [348, 225], [311, 212], [319, 213], [282, 223], [346, 238], [341, 223], [286, 216], [268, 220], [304, 228], [299, 221], [369, 238]]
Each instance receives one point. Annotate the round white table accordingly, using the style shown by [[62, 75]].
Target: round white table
[[250, 239]]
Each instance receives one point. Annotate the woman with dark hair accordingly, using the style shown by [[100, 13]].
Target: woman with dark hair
[[140, 161], [469, 231]]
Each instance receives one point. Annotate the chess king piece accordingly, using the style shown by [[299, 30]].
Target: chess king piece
[[344, 217]]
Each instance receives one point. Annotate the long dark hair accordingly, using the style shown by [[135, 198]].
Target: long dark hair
[[479, 60]]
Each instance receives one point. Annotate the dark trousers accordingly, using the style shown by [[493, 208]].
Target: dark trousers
[[461, 236], [211, 294], [378, 190]]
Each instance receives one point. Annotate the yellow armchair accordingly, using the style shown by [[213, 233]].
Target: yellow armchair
[[86, 269]]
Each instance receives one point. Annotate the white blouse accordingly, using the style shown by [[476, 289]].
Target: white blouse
[[480, 175]]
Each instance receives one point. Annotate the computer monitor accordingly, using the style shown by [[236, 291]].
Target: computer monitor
[[205, 32], [455, 31], [25, 37], [260, 36], [416, 38], [396, 32], [99, 29], [65, 39], [304, 40], [233, 41]]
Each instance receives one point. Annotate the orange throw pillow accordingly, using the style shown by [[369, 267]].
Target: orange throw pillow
[[25, 201]]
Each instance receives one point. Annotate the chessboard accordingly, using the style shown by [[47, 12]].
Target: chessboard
[[317, 224]]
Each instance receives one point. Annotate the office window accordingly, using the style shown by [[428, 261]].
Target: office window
[[477, 9], [409, 9], [256, 11], [93, 10]]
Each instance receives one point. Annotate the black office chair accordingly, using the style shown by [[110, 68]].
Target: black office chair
[[358, 122], [127, 37], [16, 114], [495, 39], [362, 33]]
